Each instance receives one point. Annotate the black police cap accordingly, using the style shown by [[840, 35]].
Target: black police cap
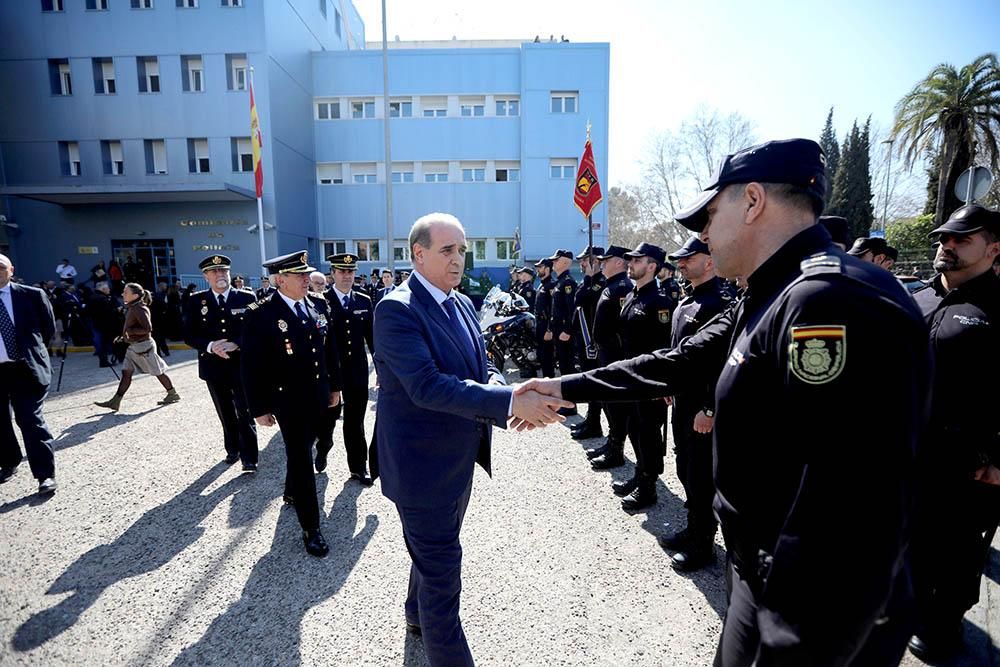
[[614, 251], [544, 261], [596, 251], [692, 247], [561, 253], [836, 226], [873, 244], [215, 262], [798, 162], [295, 262], [527, 269], [343, 260], [968, 219], [649, 250]]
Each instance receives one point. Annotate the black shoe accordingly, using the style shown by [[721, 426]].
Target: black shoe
[[586, 432], [568, 412], [288, 499], [249, 467], [320, 461], [363, 478], [6, 473], [315, 544], [625, 486], [608, 444], [936, 646], [414, 628], [232, 458], [676, 542], [642, 497], [693, 558], [608, 460], [47, 486]]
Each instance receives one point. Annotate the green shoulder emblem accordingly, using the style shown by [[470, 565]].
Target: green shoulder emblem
[[817, 354]]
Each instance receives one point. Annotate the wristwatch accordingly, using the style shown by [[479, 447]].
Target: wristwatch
[[709, 412]]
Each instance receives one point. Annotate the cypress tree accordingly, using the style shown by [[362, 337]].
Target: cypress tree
[[852, 188], [828, 142]]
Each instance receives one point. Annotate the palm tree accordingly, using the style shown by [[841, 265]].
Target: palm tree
[[955, 113]]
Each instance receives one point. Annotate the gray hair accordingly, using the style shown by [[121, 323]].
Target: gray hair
[[4, 259], [317, 274], [420, 232]]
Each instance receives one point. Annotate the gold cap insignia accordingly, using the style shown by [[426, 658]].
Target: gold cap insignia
[[216, 260], [348, 260], [304, 258]]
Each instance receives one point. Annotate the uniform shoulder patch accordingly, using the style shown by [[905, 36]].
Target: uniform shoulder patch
[[819, 264], [817, 354], [663, 315], [254, 306]]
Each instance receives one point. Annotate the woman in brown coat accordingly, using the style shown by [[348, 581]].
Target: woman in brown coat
[[141, 355]]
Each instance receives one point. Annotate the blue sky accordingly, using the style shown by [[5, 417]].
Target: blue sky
[[781, 64]]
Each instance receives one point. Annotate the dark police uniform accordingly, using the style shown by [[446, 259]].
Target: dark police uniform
[[527, 291], [585, 301], [543, 310], [289, 370], [563, 292], [798, 594], [208, 319], [671, 289], [352, 325], [959, 514]]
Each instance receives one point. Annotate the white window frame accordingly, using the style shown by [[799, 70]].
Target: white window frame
[[367, 250], [508, 245], [65, 77], [189, 4], [239, 73], [73, 157], [472, 110], [330, 173], [566, 166], [108, 77], [478, 249], [199, 156], [117, 158], [505, 104], [196, 65], [141, 4], [367, 109], [244, 148], [512, 171], [400, 250], [333, 247], [435, 172], [57, 6], [232, 3], [159, 150], [473, 172], [331, 105], [364, 173], [100, 6], [562, 96], [434, 106], [401, 108]]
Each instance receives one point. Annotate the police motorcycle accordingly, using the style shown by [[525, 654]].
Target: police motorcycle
[[509, 331]]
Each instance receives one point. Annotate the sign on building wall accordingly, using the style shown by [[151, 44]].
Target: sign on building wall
[[87, 250]]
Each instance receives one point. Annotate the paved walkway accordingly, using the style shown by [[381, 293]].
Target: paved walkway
[[153, 552]]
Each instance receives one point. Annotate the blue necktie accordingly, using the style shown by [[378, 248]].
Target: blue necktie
[[306, 321], [460, 329], [7, 331]]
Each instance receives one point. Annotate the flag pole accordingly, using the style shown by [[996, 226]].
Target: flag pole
[[590, 219], [260, 210]]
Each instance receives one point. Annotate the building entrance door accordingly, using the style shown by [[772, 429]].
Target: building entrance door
[[145, 261]]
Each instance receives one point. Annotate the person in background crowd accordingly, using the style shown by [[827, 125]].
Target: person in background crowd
[[105, 320], [526, 286], [175, 312], [668, 285], [585, 304], [266, 288], [26, 326], [317, 283], [98, 273], [560, 330], [239, 282], [117, 278], [66, 272], [891, 255], [836, 226], [159, 317], [543, 311], [141, 356], [386, 286], [870, 249]]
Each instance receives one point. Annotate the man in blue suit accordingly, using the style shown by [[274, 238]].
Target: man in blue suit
[[26, 326], [439, 398]]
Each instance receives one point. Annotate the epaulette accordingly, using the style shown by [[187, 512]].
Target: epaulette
[[255, 305], [821, 263]]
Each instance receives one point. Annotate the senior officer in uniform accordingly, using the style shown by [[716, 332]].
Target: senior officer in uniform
[[213, 325], [351, 320], [607, 336], [290, 375], [543, 311], [694, 412], [958, 517], [585, 303], [784, 459]]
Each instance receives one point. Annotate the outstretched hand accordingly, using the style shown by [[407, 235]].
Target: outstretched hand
[[534, 410], [545, 386]]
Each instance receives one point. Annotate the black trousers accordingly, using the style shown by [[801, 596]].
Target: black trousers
[[566, 354], [593, 407], [299, 433], [546, 353], [353, 406], [694, 469], [21, 395], [645, 430], [238, 428]]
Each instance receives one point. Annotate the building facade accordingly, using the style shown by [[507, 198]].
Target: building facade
[[129, 136]]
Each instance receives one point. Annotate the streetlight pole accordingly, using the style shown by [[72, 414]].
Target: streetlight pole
[[885, 202]]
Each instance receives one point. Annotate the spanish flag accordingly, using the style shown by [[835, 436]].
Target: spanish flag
[[257, 140], [587, 192]]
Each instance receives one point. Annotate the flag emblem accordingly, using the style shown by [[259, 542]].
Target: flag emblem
[[817, 354]]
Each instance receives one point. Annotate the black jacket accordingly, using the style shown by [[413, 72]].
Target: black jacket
[[353, 330], [607, 322], [705, 302], [563, 291], [205, 321], [34, 326]]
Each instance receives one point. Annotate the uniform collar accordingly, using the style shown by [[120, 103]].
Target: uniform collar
[[985, 283], [225, 295], [707, 286], [621, 275], [784, 264], [340, 295], [648, 287]]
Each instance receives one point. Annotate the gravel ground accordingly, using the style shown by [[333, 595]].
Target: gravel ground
[[153, 552]]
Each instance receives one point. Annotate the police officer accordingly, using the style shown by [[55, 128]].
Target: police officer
[[560, 331], [961, 501], [543, 311], [837, 228], [213, 325], [526, 285], [607, 337], [668, 285], [351, 320], [646, 320], [585, 304], [290, 376], [266, 289], [794, 479], [694, 412]]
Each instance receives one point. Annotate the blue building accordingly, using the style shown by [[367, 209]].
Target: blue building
[[128, 135]]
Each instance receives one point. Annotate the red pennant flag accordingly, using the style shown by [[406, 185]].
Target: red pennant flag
[[587, 193]]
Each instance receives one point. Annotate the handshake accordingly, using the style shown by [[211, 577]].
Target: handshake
[[536, 403]]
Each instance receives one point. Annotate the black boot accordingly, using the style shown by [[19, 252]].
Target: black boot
[[625, 486], [589, 428], [694, 556], [603, 448], [315, 544], [643, 496], [676, 542], [612, 458]]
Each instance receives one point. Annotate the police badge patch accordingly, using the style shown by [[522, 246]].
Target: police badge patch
[[817, 354], [663, 316]]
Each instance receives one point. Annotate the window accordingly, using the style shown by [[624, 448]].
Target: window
[[192, 74], [142, 4], [473, 172], [198, 162], [69, 157], [562, 168], [241, 151], [401, 251], [508, 107], [334, 248], [330, 174], [434, 107], [148, 68], [401, 109], [236, 71], [60, 80], [508, 172], [187, 4], [505, 249], [564, 102], [435, 172], [52, 5], [111, 157], [472, 106], [478, 247], [367, 251], [100, 5], [363, 173], [156, 156], [104, 76], [365, 179], [322, 7], [328, 110], [336, 21], [232, 3], [362, 108]]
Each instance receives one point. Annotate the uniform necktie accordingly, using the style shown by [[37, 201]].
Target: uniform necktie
[[302, 314], [347, 302], [7, 330], [460, 329], [222, 301]]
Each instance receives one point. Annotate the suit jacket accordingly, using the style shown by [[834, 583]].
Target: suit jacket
[[353, 329], [435, 411], [205, 321], [288, 369], [34, 326], [381, 292]]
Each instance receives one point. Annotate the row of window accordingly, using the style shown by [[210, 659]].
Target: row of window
[[102, 5], [148, 71], [437, 106], [367, 173], [113, 159], [369, 250]]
